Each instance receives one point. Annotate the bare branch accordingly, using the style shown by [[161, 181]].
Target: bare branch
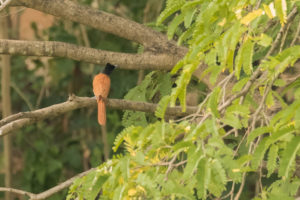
[[296, 37], [49, 192], [106, 22], [16, 191], [276, 42], [61, 49], [20, 120]]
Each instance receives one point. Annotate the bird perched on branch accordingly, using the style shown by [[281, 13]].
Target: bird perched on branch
[[101, 86]]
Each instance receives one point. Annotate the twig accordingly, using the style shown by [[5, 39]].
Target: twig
[[257, 5], [290, 18], [233, 130], [258, 110], [226, 80], [237, 197], [284, 37], [16, 191], [243, 92], [22, 119], [171, 166], [22, 95], [229, 193], [296, 35], [49, 192]]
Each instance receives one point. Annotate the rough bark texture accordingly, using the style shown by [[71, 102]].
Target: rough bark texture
[[85, 54]]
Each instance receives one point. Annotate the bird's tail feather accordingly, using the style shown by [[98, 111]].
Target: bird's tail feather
[[101, 112]]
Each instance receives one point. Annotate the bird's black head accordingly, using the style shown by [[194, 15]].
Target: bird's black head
[[108, 69]]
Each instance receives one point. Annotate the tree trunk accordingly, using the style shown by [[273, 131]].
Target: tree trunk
[[6, 104]]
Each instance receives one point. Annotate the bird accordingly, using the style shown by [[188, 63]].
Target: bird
[[101, 87]]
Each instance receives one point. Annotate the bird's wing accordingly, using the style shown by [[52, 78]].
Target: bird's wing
[[101, 85]]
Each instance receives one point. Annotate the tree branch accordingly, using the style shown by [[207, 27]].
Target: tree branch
[[106, 22], [49, 192], [22, 119], [61, 49]]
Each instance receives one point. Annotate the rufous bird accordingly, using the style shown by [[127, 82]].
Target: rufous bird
[[101, 87]]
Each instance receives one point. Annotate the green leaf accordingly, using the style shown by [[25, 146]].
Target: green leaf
[[162, 107], [264, 40], [182, 99], [240, 84], [186, 35], [213, 101], [177, 67], [174, 24], [192, 4], [203, 178], [232, 120], [124, 167], [272, 159], [134, 118], [219, 170], [259, 153], [238, 63], [194, 157], [280, 134], [118, 192], [120, 138], [297, 119], [189, 14], [280, 7], [270, 100], [279, 83], [288, 157], [172, 6], [247, 55], [257, 132], [285, 115]]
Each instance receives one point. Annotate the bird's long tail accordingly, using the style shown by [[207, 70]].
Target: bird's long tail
[[101, 112]]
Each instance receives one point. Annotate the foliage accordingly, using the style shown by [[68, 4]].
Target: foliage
[[236, 136]]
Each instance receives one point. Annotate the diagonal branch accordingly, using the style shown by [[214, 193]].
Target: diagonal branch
[[22, 119], [49, 192], [90, 55], [106, 22]]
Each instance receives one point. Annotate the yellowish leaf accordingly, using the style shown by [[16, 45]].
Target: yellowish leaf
[[236, 170], [132, 192], [251, 16], [280, 7], [223, 22], [270, 10]]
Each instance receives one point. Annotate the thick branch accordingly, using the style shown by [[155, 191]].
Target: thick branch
[[106, 22], [61, 49], [20, 120]]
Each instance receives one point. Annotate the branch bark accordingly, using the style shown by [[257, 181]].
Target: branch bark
[[20, 120], [96, 56], [106, 22]]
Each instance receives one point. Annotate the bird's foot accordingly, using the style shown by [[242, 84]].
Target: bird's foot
[[101, 98]]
